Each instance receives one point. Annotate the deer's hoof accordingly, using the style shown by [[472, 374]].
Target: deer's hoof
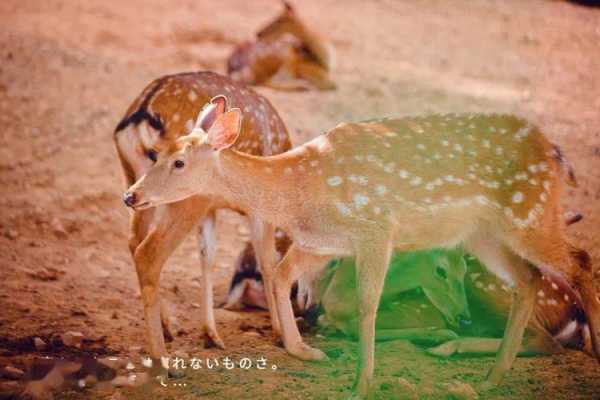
[[307, 353], [212, 338]]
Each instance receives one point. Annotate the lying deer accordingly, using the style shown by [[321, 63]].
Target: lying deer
[[490, 182], [427, 315], [285, 55], [165, 111], [558, 321]]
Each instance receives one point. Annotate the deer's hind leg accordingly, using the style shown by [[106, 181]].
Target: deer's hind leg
[[207, 248], [506, 264], [372, 260], [548, 247], [263, 240]]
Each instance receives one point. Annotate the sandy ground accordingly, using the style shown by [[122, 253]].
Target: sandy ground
[[69, 69]]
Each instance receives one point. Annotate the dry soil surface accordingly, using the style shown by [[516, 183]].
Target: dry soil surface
[[68, 71]]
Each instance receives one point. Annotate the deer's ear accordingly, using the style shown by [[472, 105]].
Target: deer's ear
[[211, 112], [225, 130]]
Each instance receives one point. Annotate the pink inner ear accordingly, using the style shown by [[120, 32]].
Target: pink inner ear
[[212, 111], [224, 132]]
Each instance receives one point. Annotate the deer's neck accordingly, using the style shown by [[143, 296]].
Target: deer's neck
[[258, 184]]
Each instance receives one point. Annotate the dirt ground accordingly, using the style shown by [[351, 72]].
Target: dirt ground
[[68, 71]]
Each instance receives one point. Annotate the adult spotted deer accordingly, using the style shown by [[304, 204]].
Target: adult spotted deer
[[286, 55], [165, 111], [490, 182]]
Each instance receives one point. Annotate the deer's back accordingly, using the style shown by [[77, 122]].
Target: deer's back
[[168, 107]]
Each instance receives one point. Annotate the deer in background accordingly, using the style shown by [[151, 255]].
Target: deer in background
[[285, 55], [165, 111], [490, 182]]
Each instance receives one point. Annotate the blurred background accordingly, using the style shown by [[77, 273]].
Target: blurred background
[[69, 70]]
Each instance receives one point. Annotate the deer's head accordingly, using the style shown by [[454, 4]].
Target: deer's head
[[186, 168]]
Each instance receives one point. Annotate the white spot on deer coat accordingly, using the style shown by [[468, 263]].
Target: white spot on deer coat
[[343, 209], [517, 197], [360, 200], [416, 181], [380, 190], [334, 181]]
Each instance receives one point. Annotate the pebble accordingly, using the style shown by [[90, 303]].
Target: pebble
[[58, 229], [11, 234]]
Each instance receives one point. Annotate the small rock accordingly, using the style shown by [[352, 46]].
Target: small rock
[[73, 339], [58, 229], [195, 305], [39, 343], [12, 373], [46, 274], [11, 234], [115, 315], [461, 391], [251, 334]]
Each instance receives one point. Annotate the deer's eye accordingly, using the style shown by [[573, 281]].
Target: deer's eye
[[178, 164], [152, 154], [441, 272]]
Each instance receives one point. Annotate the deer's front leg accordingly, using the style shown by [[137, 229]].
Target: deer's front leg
[[372, 261], [263, 240], [170, 225], [291, 267], [207, 247]]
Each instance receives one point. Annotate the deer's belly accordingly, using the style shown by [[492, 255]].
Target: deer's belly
[[322, 243]]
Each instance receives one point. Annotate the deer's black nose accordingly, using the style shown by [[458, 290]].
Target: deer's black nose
[[129, 199]]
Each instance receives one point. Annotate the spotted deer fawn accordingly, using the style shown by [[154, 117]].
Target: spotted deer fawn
[[285, 55], [427, 315], [490, 182], [436, 315], [558, 321], [165, 111]]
